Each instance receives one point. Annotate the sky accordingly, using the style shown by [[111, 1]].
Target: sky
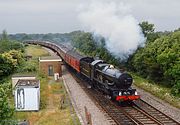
[[60, 16]]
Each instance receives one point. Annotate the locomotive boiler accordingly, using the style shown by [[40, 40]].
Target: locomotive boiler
[[113, 82], [108, 79]]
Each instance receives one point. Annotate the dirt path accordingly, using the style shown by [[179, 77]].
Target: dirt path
[[50, 104]]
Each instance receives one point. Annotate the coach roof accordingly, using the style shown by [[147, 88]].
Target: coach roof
[[75, 54]]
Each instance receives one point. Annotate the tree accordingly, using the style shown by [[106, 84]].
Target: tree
[[159, 61], [147, 28], [85, 43], [178, 29], [6, 112], [5, 68], [4, 36], [7, 45], [93, 46], [9, 62]]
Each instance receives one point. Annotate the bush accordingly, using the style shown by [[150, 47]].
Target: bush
[[176, 89], [28, 66], [6, 112], [9, 62], [86, 44], [7, 45], [159, 60]]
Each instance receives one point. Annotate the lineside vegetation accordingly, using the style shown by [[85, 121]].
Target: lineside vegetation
[[11, 57], [158, 61]]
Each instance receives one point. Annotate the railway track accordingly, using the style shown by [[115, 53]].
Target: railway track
[[144, 114], [139, 113], [160, 117], [107, 105], [118, 115]]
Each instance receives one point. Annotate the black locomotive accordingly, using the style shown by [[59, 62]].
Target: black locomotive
[[108, 79]]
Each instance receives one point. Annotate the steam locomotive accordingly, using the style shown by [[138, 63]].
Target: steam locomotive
[[108, 79]]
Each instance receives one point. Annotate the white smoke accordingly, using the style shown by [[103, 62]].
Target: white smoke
[[112, 20]]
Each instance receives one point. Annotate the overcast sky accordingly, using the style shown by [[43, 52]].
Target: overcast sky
[[59, 16]]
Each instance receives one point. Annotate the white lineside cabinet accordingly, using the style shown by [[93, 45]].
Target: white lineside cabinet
[[15, 79], [27, 95]]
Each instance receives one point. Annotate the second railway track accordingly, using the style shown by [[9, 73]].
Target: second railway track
[[139, 113], [157, 115]]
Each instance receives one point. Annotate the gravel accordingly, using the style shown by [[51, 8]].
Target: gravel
[[159, 104], [80, 99]]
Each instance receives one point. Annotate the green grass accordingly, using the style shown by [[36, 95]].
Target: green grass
[[55, 115], [57, 88], [36, 51], [157, 90], [50, 92]]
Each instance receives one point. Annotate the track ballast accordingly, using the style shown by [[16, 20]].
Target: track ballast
[[139, 113]]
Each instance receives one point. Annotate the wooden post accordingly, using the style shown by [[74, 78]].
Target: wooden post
[[88, 116], [62, 101], [90, 120]]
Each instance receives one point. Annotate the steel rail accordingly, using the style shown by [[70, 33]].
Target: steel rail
[[146, 111]]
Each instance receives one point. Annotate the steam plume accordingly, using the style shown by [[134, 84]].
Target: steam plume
[[112, 20]]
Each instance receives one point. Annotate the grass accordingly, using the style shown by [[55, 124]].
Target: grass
[[36, 51], [157, 90], [50, 113], [51, 93]]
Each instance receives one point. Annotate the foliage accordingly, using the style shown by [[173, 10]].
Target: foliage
[[159, 60], [86, 44], [146, 27], [176, 89], [28, 66], [51, 91], [6, 111], [157, 90], [56, 37], [7, 45], [4, 36], [148, 31], [9, 62], [11, 57], [36, 51]]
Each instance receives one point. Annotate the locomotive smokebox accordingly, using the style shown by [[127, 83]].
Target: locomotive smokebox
[[124, 81]]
